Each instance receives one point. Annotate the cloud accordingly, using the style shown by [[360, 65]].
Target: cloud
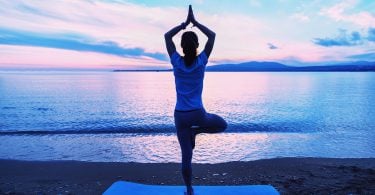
[[271, 46], [338, 12], [15, 56], [121, 22], [131, 25], [300, 17], [371, 34], [116, 31], [343, 39], [363, 56], [13, 37]]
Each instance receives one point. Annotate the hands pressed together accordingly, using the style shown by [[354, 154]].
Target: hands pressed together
[[190, 19], [171, 48]]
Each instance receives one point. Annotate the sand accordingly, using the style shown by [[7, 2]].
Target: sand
[[287, 175]]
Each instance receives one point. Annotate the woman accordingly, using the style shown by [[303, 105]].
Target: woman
[[189, 115]]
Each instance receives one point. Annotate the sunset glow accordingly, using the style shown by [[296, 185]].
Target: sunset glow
[[116, 34]]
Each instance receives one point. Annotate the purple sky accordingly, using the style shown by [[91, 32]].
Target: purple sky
[[113, 34]]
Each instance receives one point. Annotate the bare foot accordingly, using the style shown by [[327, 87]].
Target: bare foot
[[189, 191]]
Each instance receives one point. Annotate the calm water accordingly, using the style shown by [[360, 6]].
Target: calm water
[[130, 115]]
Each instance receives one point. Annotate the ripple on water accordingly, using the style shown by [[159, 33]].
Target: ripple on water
[[210, 148]]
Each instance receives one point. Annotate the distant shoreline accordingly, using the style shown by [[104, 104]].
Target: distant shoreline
[[79, 70], [255, 66], [252, 70], [168, 70], [251, 66]]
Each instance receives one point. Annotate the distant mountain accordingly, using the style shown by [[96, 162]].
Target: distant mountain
[[357, 63], [278, 67], [249, 66]]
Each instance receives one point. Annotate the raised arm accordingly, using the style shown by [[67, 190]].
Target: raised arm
[[209, 33], [171, 48]]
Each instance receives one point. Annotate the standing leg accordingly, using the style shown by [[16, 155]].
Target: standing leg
[[184, 138]]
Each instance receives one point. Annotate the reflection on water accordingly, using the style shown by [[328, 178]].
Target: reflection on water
[[269, 115], [144, 101], [210, 148]]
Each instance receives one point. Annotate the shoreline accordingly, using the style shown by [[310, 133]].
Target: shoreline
[[291, 175]]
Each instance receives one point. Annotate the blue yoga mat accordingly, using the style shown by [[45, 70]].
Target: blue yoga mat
[[124, 188]]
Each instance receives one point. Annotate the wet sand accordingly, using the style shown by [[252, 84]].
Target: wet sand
[[287, 175]]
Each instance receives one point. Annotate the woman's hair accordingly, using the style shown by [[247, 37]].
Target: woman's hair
[[189, 44]]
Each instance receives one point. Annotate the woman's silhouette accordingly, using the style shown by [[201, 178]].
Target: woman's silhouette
[[190, 116]]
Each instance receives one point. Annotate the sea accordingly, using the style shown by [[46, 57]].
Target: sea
[[106, 116]]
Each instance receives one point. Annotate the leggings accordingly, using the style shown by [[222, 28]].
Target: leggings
[[184, 121]]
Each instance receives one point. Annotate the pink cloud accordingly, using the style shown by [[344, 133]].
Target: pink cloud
[[240, 37], [338, 13], [132, 25], [39, 57], [301, 17]]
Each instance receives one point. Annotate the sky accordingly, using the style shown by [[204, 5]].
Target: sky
[[119, 34]]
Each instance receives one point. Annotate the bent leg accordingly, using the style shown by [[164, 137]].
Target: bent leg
[[212, 123], [184, 138]]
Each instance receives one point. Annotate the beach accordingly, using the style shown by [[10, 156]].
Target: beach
[[287, 175]]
